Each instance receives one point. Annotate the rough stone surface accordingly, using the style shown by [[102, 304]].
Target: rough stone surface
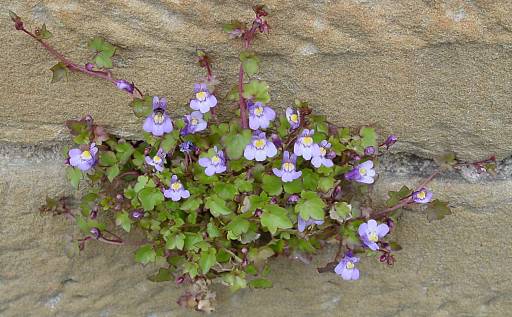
[[453, 267], [437, 73]]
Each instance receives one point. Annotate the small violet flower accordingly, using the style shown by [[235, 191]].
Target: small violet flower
[[157, 161], [390, 141], [293, 118], [176, 190], [303, 224], [259, 148], [370, 233], [215, 164], [422, 196], [347, 269], [194, 123], [204, 99], [287, 171], [124, 85], [260, 115], [83, 160], [322, 155], [362, 173], [304, 144], [158, 122], [187, 147]]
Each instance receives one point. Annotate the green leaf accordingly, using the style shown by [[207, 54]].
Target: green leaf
[[237, 227], [325, 183], [142, 107], [107, 158], [74, 176], [145, 254], [170, 140], [225, 191], [235, 143], [272, 185], [175, 241], [368, 137], [293, 187], [123, 220], [310, 206], [100, 45], [340, 211], [59, 72], [103, 60], [437, 210], [243, 185], [310, 179], [192, 204], [275, 217], [163, 275], [212, 230], [150, 197], [260, 283], [141, 183], [112, 172], [207, 260], [250, 62], [217, 206], [235, 282], [43, 33], [257, 91], [124, 152]]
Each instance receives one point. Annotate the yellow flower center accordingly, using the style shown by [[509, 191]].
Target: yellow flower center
[[157, 159], [201, 95], [288, 166], [258, 111], [194, 121], [215, 159], [362, 171], [158, 117], [294, 118], [350, 265], [176, 186], [421, 195], [323, 151], [373, 236], [260, 143], [307, 140], [86, 155]]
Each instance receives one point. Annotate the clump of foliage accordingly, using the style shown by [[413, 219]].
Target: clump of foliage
[[217, 199]]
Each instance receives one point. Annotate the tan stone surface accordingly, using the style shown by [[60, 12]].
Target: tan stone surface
[[455, 267], [437, 73]]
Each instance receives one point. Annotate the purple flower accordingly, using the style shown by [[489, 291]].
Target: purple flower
[[204, 99], [303, 224], [362, 173], [422, 196], [347, 269], [287, 171], [187, 147], [215, 164], [370, 233], [293, 117], [176, 190], [194, 123], [260, 115], [304, 144], [158, 122], [322, 155], [369, 151], [259, 148], [157, 161], [84, 160], [137, 214], [124, 85], [390, 141]]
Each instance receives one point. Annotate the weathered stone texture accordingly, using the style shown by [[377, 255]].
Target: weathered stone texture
[[436, 73]]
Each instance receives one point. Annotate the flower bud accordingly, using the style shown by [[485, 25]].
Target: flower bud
[[95, 232], [89, 66], [137, 214], [390, 141], [293, 199], [369, 151], [276, 140], [124, 85]]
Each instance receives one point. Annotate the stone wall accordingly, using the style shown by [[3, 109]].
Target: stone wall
[[436, 73]]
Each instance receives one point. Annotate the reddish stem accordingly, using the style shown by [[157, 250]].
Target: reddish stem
[[74, 66]]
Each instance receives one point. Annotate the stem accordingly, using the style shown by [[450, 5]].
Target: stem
[[243, 106], [74, 66]]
